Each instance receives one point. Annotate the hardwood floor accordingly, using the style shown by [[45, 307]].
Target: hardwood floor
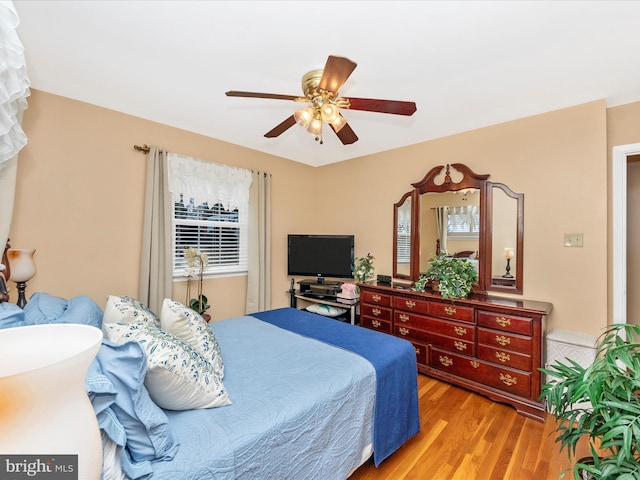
[[466, 436]]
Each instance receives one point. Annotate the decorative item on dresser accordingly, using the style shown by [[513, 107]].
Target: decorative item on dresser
[[490, 345]]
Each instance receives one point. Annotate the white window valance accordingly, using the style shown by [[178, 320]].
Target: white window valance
[[14, 84], [208, 182]]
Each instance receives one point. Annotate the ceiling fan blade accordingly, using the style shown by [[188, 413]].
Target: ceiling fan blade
[[281, 128], [346, 135], [396, 107], [273, 96], [336, 72]]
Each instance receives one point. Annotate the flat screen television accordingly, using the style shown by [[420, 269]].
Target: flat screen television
[[320, 256]]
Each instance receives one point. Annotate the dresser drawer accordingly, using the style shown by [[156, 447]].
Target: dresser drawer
[[381, 313], [435, 325], [375, 298], [508, 323], [504, 341], [411, 305], [453, 344], [421, 352], [506, 379], [375, 324], [456, 312], [412, 333], [505, 357]]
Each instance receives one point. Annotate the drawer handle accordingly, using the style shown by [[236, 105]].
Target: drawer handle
[[449, 310], [503, 357], [502, 340], [403, 331], [460, 330], [460, 345], [503, 321], [508, 380], [446, 361], [376, 311], [376, 323], [417, 350], [474, 363], [376, 298], [403, 318], [410, 303]]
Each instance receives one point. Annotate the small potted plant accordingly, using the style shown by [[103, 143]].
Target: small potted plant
[[600, 402], [197, 263], [363, 270], [455, 276]]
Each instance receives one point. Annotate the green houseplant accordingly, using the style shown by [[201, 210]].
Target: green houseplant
[[456, 276], [601, 402], [197, 263], [363, 268]]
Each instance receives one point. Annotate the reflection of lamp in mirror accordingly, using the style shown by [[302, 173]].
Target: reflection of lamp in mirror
[[508, 254], [23, 269]]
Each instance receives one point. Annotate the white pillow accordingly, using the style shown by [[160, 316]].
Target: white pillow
[[189, 326], [326, 310], [122, 309], [178, 377]]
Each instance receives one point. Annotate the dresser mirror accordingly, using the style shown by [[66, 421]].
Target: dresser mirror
[[454, 210], [505, 220], [403, 237]]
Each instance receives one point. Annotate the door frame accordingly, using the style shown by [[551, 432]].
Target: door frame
[[619, 212]]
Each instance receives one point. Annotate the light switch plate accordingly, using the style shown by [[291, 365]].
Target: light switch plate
[[573, 239]]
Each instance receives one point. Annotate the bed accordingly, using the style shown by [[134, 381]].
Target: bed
[[309, 397]]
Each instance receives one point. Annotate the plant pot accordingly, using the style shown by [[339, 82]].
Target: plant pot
[[435, 285], [207, 317]]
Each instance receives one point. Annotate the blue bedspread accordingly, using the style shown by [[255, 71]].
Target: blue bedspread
[[396, 417]]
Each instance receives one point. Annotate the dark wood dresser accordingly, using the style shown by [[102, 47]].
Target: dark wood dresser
[[490, 345]]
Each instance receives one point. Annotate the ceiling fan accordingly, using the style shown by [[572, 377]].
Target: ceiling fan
[[320, 89]]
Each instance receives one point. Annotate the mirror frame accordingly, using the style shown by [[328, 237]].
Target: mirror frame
[[488, 234], [470, 179], [413, 265]]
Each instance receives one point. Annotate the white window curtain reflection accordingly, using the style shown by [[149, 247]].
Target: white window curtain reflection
[[14, 90], [442, 220]]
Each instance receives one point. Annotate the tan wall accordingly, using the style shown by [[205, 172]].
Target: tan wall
[[80, 194], [557, 159]]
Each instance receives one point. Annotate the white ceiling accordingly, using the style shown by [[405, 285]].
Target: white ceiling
[[465, 64]]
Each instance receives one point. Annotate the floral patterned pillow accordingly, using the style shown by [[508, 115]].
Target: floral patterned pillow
[[189, 326], [178, 377], [123, 309]]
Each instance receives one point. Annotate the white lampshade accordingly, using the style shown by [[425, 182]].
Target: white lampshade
[[338, 123], [45, 407], [329, 112], [303, 117], [508, 253], [23, 268], [315, 127]]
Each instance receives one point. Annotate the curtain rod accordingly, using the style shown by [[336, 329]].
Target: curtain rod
[[144, 148]]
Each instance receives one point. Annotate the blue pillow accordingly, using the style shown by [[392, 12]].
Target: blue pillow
[[11, 315], [123, 406], [46, 308]]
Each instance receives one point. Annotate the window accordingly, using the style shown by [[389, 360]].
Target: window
[[463, 223], [403, 252], [210, 212]]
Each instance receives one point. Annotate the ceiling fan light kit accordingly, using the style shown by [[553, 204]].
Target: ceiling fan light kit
[[320, 88]]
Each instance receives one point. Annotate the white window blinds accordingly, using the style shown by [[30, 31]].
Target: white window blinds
[[210, 213]]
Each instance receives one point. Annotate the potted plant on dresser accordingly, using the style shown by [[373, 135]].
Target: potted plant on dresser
[[455, 277], [601, 402]]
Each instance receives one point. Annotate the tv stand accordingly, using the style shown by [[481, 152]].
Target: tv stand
[[320, 286], [333, 301]]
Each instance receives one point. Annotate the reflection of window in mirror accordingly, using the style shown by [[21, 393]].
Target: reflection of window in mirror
[[453, 218], [403, 238]]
